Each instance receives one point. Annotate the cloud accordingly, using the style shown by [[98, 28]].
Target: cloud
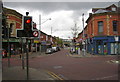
[[61, 1], [61, 20], [63, 14]]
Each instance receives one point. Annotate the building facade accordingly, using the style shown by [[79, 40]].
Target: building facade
[[101, 31], [13, 21]]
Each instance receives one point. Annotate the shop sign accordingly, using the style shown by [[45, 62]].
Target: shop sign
[[116, 38], [11, 40], [43, 42], [36, 41]]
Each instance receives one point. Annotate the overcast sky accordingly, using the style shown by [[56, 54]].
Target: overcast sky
[[62, 14]]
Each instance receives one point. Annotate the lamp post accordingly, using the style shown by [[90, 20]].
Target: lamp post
[[40, 23], [83, 42], [0, 41], [117, 46], [51, 34]]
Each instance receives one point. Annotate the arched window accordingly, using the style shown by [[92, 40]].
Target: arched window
[[11, 28]]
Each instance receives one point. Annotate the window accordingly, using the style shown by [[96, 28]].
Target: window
[[12, 28], [113, 9], [114, 25], [100, 27], [91, 29]]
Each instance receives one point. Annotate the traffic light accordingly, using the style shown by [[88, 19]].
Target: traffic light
[[28, 30], [22, 33], [5, 32], [27, 23]]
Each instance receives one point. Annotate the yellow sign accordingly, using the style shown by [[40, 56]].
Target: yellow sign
[[36, 41], [77, 44]]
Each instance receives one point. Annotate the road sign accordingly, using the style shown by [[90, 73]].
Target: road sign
[[35, 33]]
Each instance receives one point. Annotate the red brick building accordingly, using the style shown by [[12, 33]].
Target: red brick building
[[13, 21], [101, 29]]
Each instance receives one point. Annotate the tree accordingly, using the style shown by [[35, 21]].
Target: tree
[[74, 33], [59, 41], [75, 30]]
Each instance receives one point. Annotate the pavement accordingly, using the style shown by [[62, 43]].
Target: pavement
[[17, 73], [87, 55]]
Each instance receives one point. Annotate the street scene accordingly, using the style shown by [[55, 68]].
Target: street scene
[[60, 41], [62, 66]]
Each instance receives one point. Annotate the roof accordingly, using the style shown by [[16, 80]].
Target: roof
[[101, 14], [11, 11], [107, 9]]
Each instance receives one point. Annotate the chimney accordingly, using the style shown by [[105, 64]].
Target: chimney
[[90, 14]]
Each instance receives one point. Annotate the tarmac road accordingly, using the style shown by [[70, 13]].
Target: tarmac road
[[70, 68], [62, 66]]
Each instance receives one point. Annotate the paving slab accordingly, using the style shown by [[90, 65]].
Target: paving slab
[[17, 73]]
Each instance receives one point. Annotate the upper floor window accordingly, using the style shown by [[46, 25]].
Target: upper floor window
[[100, 27], [12, 28], [114, 25], [113, 9]]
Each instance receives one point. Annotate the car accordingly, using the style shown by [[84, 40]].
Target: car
[[49, 51], [4, 53], [58, 48], [54, 49]]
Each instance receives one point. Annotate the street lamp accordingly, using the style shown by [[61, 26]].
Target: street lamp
[[83, 42], [52, 32], [117, 46], [45, 21], [40, 26]]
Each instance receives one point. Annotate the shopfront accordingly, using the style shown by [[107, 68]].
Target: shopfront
[[104, 45]]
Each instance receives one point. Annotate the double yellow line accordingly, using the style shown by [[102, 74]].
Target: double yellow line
[[56, 77]]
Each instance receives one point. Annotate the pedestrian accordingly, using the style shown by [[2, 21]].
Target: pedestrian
[[76, 50]]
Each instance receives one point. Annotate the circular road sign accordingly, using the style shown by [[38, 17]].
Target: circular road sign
[[35, 33]]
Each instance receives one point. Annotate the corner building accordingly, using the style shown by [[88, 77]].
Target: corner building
[[103, 26]]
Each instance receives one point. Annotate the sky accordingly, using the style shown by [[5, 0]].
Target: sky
[[63, 13]]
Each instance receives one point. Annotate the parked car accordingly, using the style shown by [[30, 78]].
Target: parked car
[[49, 51], [58, 48], [54, 49], [4, 53]]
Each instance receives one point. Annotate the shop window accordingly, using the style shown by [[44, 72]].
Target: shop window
[[105, 48], [114, 26], [114, 48], [119, 48], [100, 27]]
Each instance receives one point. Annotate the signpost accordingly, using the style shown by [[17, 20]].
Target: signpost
[[27, 32], [0, 41], [117, 46]]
